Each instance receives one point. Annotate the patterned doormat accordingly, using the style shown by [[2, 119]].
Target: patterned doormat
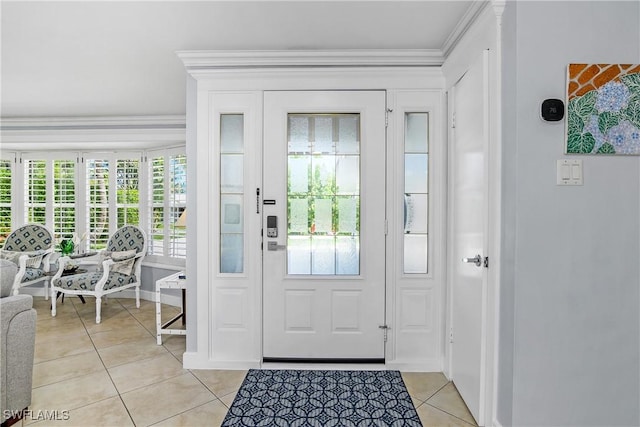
[[322, 398]]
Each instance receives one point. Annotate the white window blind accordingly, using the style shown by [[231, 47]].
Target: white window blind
[[128, 193], [156, 204], [97, 212], [93, 200], [6, 175], [167, 202], [35, 179], [64, 197], [178, 204]]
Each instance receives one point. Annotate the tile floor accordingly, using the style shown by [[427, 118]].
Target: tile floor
[[114, 374]]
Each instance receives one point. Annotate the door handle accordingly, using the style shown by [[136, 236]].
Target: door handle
[[477, 260], [274, 246]]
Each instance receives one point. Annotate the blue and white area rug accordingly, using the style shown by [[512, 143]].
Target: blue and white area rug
[[322, 398]]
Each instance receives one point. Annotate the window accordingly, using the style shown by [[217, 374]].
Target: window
[[167, 202], [49, 192], [6, 174], [231, 193], [416, 192], [92, 194], [64, 197]]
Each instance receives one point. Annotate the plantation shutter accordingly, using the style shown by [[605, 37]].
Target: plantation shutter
[[64, 198], [35, 180], [97, 203], [156, 205], [6, 173], [178, 203]]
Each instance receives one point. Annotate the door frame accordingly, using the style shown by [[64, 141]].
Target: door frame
[[484, 34], [228, 75]]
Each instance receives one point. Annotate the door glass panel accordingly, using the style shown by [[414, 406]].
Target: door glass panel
[[299, 174], [416, 192], [299, 216], [323, 256], [299, 254], [323, 162], [348, 134], [231, 193], [348, 258], [348, 215], [323, 216]]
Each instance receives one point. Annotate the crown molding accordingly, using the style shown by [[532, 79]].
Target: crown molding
[[92, 123], [242, 59], [75, 133], [463, 26]]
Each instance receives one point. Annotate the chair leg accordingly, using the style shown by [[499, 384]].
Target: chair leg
[[46, 289], [53, 304], [137, 296], [98, 306]]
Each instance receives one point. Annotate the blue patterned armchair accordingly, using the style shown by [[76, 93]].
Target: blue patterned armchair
[[30, 247], [119, 269]]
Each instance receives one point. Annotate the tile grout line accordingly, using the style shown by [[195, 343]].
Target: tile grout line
[[107, 370], [449, 413]]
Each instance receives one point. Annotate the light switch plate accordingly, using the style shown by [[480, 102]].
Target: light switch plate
[[569, 172]]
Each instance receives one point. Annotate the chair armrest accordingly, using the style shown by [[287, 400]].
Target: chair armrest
[[62, 261], [13, 305]]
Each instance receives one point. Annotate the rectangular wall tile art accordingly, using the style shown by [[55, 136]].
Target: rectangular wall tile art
[[603, 109]]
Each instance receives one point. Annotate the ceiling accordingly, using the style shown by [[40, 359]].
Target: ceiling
[[106, 58]]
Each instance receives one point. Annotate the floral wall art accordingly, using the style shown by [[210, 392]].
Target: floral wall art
[[603, 113]]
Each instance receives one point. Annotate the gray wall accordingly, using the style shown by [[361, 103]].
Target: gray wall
[[570, 340]]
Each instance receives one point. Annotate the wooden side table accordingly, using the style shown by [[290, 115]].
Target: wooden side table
[[173, 281]]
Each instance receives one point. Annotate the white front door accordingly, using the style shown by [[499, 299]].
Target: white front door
[[324, 226], [468, 184]]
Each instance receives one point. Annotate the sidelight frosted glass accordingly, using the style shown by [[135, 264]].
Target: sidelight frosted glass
[[323, 134], [299, 174], [231, 133], [323, 255], [231, 193], [416, 173], [416, 137], [323, 215], [416, 192], [348, 134], [415, 253], [231, 212], [299, 255], [299, 215], [416, 213], [231, 253], [231, 173]]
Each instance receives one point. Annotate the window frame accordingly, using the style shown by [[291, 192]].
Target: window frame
[[19, 161]]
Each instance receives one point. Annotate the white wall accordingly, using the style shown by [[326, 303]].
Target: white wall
[[574, 278]]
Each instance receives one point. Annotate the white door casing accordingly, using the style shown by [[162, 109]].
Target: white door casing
[[469, 223], [325, 316]]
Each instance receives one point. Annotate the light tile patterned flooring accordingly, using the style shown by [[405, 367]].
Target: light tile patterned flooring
[[114, 374]]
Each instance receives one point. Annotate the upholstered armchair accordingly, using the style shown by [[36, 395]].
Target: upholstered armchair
[[119, 269], [30, 247], [17, 344]]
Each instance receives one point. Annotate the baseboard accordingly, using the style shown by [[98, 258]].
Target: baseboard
[[173, 300], [496, 423], [191, 360], [413, 366]]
